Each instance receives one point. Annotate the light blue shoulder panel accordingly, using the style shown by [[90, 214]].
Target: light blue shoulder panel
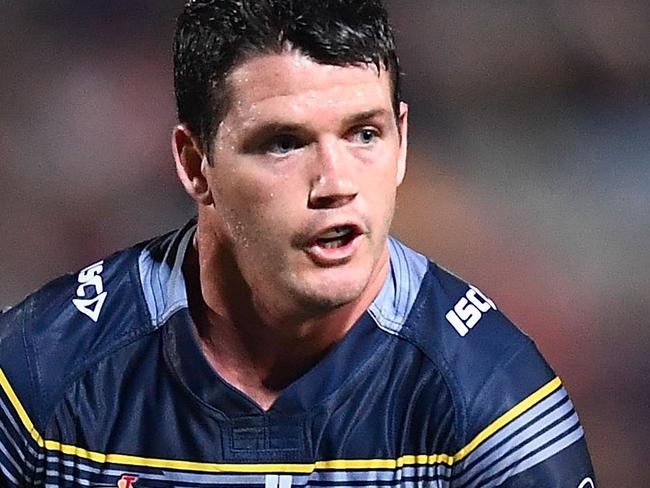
[[395, 300], [164, 286], [162, 282]]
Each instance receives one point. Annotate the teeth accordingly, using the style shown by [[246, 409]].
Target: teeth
[[336, 233], [332, 244]]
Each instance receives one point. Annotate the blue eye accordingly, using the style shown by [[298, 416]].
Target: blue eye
[[365, 136], [282, 145]]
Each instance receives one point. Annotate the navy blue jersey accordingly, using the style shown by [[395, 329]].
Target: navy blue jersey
[[103, 383]]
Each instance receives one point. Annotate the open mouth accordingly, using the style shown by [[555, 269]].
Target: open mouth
[[337, 237], [335, 245]]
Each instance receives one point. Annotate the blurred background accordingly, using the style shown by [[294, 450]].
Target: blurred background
[[529, 169]]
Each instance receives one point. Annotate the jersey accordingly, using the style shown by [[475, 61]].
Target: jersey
[[103, 383]]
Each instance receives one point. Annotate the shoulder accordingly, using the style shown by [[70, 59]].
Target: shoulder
[[452, 322], [459, 329], [65, 326], [69, 325], [462, 330], [512, 411]]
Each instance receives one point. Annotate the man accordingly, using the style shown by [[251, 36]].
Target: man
[[282, 339]]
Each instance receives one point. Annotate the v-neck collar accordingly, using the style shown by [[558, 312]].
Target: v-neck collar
[[329, 375], [163, 285]]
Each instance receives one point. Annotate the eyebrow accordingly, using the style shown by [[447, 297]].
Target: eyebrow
[[273, 127], [367, 115]]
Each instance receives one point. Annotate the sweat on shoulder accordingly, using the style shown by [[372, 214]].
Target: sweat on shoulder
[[281, 338]]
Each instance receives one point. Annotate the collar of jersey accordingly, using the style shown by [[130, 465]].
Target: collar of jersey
[[164, 290], [161, 273], [165, 294], [393, 304]]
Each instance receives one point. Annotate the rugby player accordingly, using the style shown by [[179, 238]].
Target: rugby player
[[281, 338]]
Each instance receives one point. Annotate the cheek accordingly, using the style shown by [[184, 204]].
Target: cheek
[[381, 190], [382, 176], [261, 209], [241, 192], [261, 183]]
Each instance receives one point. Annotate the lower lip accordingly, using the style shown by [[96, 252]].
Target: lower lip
[[334, 256]]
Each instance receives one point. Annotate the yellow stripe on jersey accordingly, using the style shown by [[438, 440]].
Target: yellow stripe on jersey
[[13, 398], [298, 468], [400, 462], [509, 416]]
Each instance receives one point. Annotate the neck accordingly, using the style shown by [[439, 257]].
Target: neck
[[258, 352]]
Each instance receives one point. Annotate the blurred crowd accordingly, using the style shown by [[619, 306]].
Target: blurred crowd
[[529, 170]]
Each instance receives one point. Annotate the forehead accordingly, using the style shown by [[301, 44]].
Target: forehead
[[291, 82]]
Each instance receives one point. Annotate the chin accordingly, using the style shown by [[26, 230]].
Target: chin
[[332, 301], [321, 290], [327, 294]]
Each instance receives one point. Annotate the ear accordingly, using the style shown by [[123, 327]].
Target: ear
[[403, 141], [190, 164]]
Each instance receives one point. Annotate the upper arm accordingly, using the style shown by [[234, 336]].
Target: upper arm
[[523, 430], [20, 453]]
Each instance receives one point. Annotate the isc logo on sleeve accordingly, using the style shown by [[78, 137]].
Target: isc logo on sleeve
[[469, 310]]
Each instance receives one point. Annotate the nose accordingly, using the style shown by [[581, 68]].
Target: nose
[[335, 183]]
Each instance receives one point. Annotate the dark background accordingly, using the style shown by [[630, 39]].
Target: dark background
[[529, 169]]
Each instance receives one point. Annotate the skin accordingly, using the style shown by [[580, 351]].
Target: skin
[[304, 147]]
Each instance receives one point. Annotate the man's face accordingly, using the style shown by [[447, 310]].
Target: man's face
[[305, 168]]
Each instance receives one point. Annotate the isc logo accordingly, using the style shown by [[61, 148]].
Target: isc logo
[[90, 292], [469, 310]]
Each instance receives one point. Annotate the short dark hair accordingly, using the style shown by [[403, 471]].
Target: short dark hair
[[214, 36]]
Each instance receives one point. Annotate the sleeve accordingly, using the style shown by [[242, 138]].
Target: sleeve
[[20, 445], [523, 430]]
